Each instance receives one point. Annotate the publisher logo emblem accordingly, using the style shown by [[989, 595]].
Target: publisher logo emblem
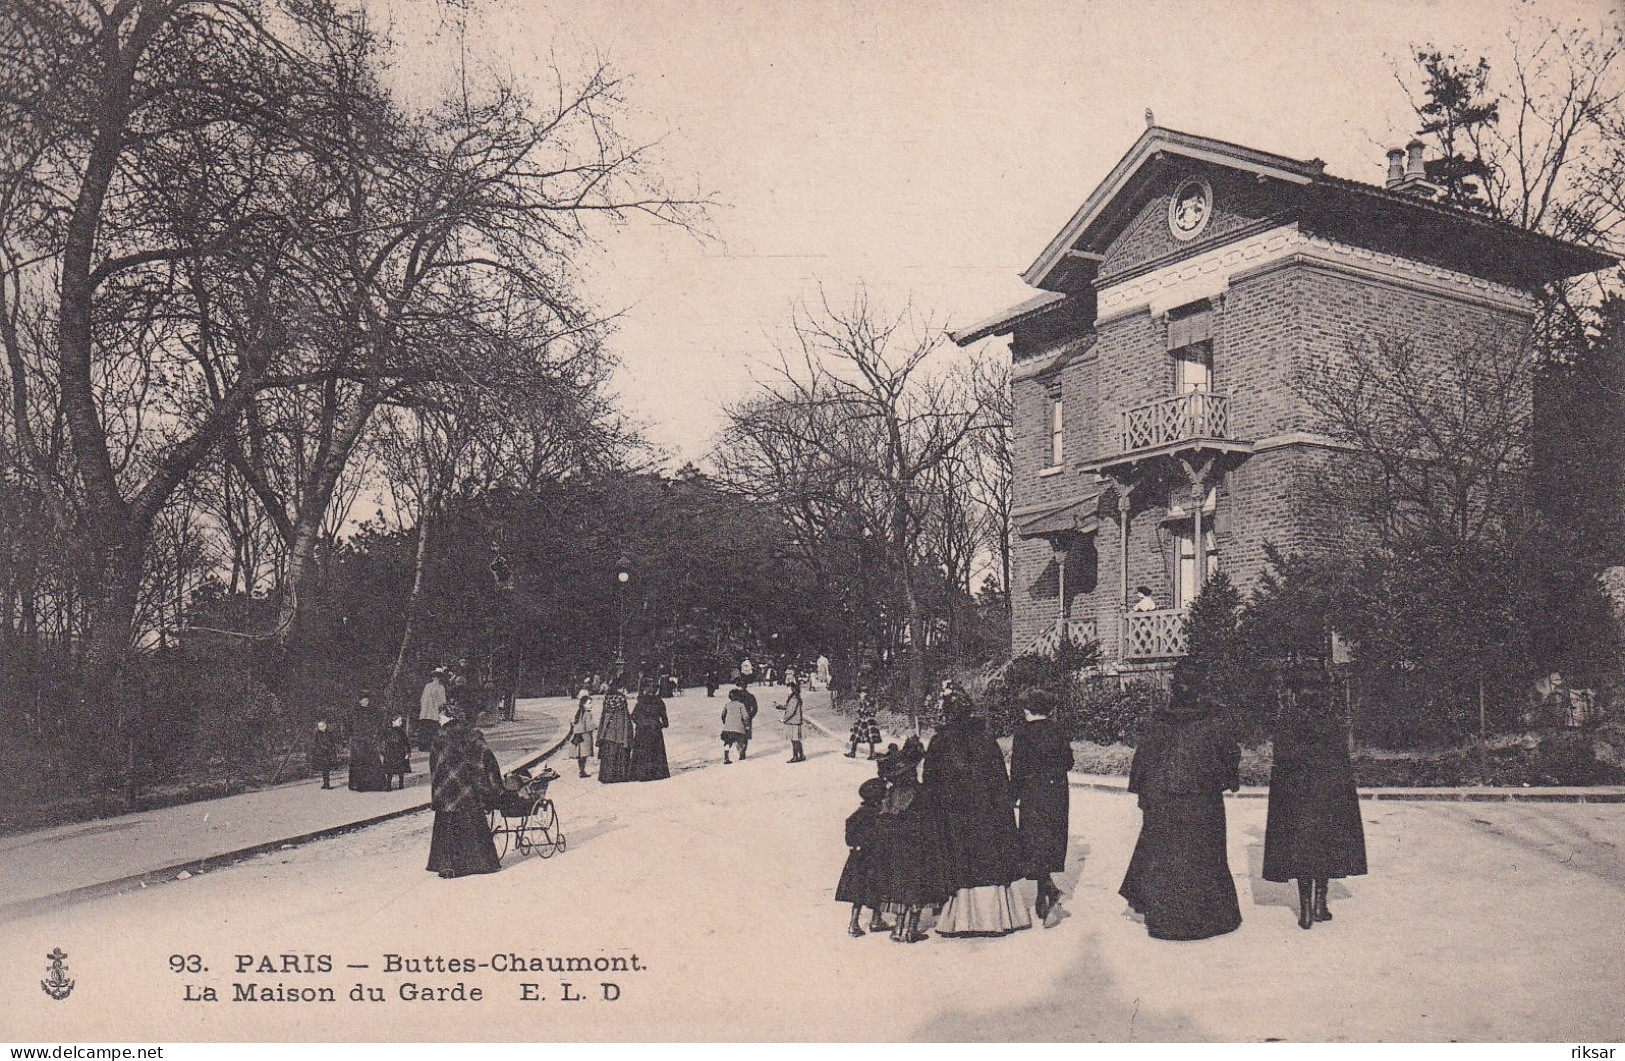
[[57, 984]]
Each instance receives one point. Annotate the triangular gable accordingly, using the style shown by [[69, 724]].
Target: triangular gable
[[1097, 210]]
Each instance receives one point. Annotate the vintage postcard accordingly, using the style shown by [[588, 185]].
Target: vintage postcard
[[823, 521]]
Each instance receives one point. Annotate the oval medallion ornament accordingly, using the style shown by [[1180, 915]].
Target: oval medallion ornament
[[1190, 208]]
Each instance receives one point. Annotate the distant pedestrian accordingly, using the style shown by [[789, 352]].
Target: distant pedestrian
[[865, 727], [1179, 877], [736, 723], [857, 885], [366, 751], [430, 704], [583, 731], [614, 737], [747, 670], [794, 719], [464, 782], [1313, 830], [324, 752], [712, 683], [1040, 757], [649, 724], [397, 751], [823, 670]]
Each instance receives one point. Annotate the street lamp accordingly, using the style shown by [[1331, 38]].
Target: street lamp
[[622, 577]]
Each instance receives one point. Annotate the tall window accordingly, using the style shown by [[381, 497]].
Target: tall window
[[1185, 585], [1057, 429], [1193, 368]]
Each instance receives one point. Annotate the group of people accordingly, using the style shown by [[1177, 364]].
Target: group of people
[[1179, 877], [379, 755], [956, 839], [630, 744]]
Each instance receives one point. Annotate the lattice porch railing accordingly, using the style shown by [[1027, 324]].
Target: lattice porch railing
[[1197, 414], [1049, 641], [1155, 635]]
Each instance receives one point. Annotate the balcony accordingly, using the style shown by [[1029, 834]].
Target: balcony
[[1046, 643], [1189, 421], [1155, 635]]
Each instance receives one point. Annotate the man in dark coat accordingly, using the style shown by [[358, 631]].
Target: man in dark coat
[[1179, 877], [464, 779], [1313, 831], [966, 783], [1040, 757]]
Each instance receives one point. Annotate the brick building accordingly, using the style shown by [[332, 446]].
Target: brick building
[[1159, 435]]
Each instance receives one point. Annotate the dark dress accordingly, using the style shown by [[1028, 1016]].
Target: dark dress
[[908, 865], [857, 883], [614, 740], [324, 752], [397, 751], [649, 739], [366, 756], [966, 783], [1179, 877], [1313, 828], [1040, 757], [464, 779]]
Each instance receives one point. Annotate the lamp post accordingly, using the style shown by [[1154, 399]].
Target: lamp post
[[622, 577]]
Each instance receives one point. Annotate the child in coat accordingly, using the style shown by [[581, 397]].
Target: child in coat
[[857, 885], [865, 728], [324, 753], [583, 730]]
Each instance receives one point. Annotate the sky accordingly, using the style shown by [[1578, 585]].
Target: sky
[[928, 150]]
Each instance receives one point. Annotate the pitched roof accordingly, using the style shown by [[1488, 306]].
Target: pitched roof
[[1516, 255]]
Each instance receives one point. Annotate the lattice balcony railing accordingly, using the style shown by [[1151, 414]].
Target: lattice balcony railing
[[1197, 414], [1049, 641], [1155, 635]]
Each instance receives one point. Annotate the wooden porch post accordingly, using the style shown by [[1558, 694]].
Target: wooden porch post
[[1198, 478]]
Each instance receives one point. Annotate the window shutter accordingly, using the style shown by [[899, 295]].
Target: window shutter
[[1190, 329]]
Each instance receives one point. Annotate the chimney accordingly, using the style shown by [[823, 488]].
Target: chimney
[[1414, 170], [1396, 166]]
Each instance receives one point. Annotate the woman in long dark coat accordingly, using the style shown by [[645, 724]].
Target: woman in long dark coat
[[1179, 877], [965, 781], [1313, 831], [1040, 757], [464, 777], [649, 724], [366, 749], [614, 738]]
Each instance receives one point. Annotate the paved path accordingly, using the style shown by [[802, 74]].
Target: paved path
[[1480, 922], [65, 860]]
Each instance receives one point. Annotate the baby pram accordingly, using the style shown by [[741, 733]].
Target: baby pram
[[525, 816]]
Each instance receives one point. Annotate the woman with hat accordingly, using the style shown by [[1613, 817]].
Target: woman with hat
[[1179, 877], [1313, 830], [614, 736], [1040, 757], [965, 781], [649, 723], [464, 778]]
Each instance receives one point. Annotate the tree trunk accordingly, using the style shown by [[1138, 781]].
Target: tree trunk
[[413, 603]]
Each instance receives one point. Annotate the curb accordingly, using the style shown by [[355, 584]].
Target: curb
[[164, 874], [1564, 794], [1421, 795]]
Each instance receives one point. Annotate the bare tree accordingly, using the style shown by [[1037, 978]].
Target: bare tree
[[1443, 439], [890, 422]]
